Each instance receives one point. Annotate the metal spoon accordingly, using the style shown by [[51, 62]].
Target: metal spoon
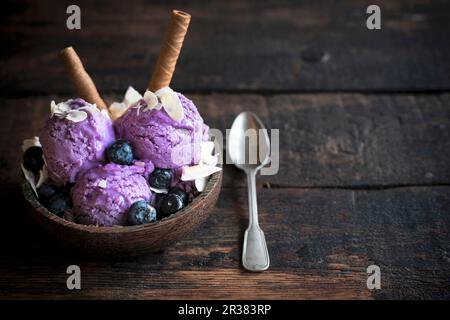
[[247, 126]]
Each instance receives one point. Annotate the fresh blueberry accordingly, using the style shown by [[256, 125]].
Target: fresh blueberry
[[120, 152], [46, 191], [59, 203], [33, 160], [183, 195], [169, 204], [141, 212], [160, 178]]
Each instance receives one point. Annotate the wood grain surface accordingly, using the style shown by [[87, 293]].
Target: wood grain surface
[[321, 242], [364, 120], [232, 46]]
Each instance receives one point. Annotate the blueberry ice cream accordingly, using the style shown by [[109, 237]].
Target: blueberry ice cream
[[71, 145], [103, 195]]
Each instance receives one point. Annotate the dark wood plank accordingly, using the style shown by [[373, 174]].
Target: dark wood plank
[[321, 242], [251, 45], [326, 140], [346, 140]]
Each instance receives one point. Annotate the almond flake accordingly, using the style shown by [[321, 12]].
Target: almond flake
[[172, 105], [131, 96], [76, 116], [116, 109], [163, 91], [60, 109], [159, 190], [52, 108], [200, 184], [198, 171], [211, 160], [151, 99], [102, 184], [206, 147]]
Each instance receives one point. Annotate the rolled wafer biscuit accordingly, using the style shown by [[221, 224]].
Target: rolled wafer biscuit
[[170, 50], [80, 78]]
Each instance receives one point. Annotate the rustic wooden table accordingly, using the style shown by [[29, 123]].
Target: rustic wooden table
[[364, 119]]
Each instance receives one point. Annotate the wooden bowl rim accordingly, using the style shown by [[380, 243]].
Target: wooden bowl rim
[[32, 199]]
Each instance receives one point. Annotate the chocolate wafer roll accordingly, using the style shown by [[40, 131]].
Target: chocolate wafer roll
[[170, 50], [80, 78]]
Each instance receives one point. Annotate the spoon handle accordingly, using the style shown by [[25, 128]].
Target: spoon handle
[[255, 256]]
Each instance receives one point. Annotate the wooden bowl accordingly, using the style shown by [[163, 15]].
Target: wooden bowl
[[112, 242]]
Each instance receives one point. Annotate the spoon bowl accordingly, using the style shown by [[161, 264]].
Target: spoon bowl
[[248, 142]]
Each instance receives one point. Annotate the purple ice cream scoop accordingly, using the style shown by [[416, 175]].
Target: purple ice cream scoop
[[103, 195], [71, 148], [156, 136]]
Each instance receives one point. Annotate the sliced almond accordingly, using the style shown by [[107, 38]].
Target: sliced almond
[[102, 184], [172, 105], [151, 99], [200, 184], [210, 159], [59, 110], [52, 108], [117, 109], [198, 171], [159, 190], [76, 115], [162, 91], [131, 96], [206, 147], [62, 108]]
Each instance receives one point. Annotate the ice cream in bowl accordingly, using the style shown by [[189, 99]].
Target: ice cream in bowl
[[127, 179]]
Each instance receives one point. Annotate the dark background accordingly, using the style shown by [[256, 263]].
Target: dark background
[[364, 119]]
